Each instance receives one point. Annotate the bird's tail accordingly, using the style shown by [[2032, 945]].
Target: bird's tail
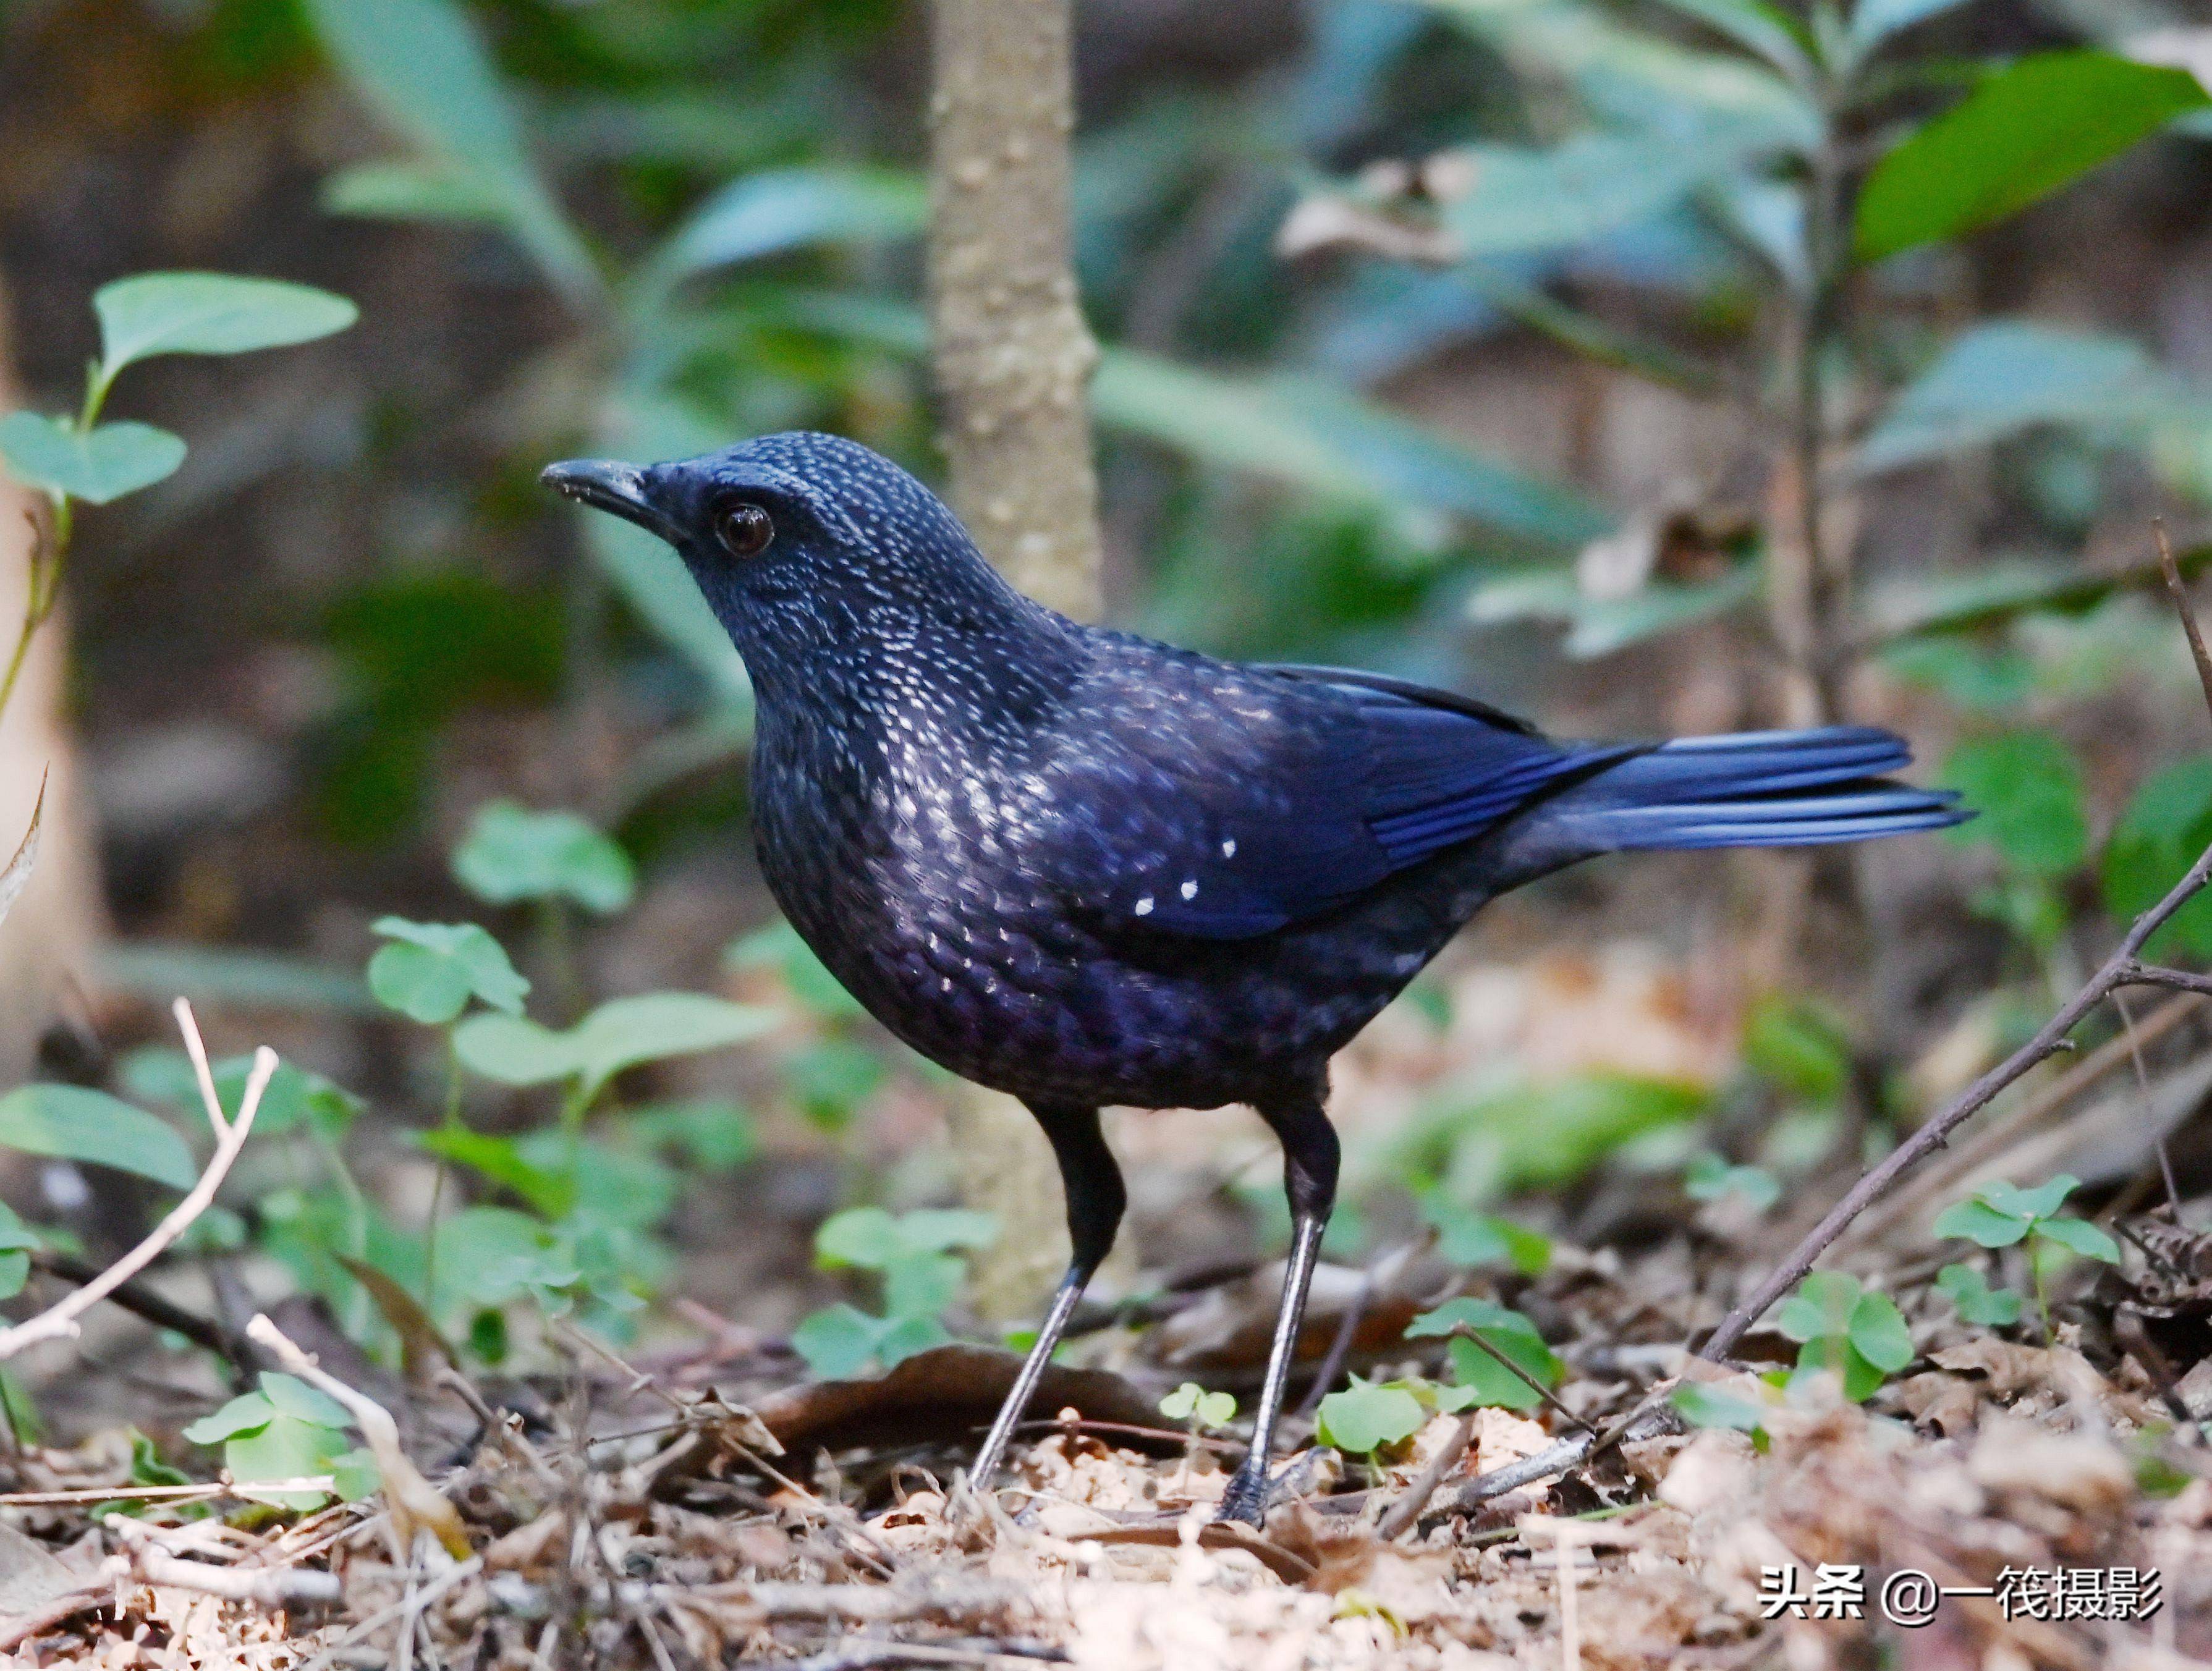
[[1765, 788]]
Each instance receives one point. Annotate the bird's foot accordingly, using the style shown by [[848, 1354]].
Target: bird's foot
[[1246, 1499]]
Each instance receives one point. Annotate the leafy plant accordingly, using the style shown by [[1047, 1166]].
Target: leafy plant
[[1473, 1239], [1367, 1417], [1479, 1378], [2028, 790], [79, 459], [1856, 1334], [1204, 1411], [432, 970], [513, 853], [287, 1430], [1999, 1215], [1703, 1405], [1977, 1303], [914, 1256]]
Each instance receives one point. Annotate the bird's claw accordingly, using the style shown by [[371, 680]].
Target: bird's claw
[[1246, 1499]]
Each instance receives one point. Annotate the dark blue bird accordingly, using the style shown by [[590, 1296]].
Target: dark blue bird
[[1089, 868]]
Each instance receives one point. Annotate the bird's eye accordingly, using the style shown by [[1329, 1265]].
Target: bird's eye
[[744, 530]]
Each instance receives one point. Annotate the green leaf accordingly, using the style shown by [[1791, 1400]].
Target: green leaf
[[840, 1341], [935, 1229], [418, 190], [97, 466], [420, 63], [2079, 1235], [1363, 1419], [432, 969], [1192, 1403], [1486, 1380], [356, 1473], [288, 1395], [1821, 1308], [1766, 30], [155, 313], [1799, 1045], [514, 853], [866, 1236], [2039, 1202], [2000, 378], [1976, 1220], [243, 1414], [2166, 823], [2026, 132], [1877, 1333], [295, 1096], [619, 1034], [778, 209], [70, 1122], [499, 1158], [284, 1447], [778, 946], [1502, 1135], [711, 1133], [1977, 1302], [2027, 788], [1703, 1405], [1522, 200], [17, 1242], [920, 1285]]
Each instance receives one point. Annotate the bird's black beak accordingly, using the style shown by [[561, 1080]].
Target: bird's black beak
[[607, 485]]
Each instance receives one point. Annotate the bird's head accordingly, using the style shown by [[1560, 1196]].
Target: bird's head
[[803, 543]]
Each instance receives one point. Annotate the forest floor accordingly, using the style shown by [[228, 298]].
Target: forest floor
[[2008, 1499]]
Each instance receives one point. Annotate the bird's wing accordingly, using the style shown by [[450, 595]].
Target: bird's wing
[[1235, 812]]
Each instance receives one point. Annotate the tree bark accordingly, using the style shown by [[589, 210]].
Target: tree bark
[[47, 939], [1012, 356]]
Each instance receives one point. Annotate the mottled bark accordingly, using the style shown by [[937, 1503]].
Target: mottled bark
[[1012, 356], [47, 937]]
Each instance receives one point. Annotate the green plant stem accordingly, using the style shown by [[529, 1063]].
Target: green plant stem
[[48, 553]]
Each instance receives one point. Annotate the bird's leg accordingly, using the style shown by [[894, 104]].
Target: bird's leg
[[1309, 1164], [1094, 1200]]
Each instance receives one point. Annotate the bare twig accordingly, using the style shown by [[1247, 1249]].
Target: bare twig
[[1408, 1508], [267, 1587], [144, 1303], [415, 1503], [1553, 1459], [1551, 1398], [16, 875], [2179, 594], [59, 1320]]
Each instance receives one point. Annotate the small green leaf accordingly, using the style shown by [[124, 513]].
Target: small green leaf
[[432, 969], [1977, 1302], [1800, 1045], [937, 1229], [97, 466], [1877, 1333], [243, 1414], [712, 1133], [1975, 1220], [1703, 1405], [2026, 132], [70, 1122], [1486, 1380], [619, 1034], [514, 853], [920, 1285], [2166, 824], [1364, 1417], [840, 1341], [1821, 1308], [288, 1395], [1182, 1403], [284, 1447], [1874, 21], [2080, 1237], [2039, 1202], [152, 313], [357, 1475], [866, 1236], [17, 1242]]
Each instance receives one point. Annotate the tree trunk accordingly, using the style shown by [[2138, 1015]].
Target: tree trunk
[[46, 940], [1012, 356]]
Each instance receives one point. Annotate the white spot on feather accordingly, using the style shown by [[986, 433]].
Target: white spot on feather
[[1144, 905], [1229, 848], [1189, 890]]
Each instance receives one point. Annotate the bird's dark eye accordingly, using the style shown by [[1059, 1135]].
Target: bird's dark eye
[[744, 529]]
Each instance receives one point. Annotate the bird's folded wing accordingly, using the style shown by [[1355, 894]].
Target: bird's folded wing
[[1244, 818]]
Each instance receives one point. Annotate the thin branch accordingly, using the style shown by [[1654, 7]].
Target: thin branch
[[2180, 595], [1550, 1398], [145, 1304], [413, 1501], [1408, 1508], [59, 1320]]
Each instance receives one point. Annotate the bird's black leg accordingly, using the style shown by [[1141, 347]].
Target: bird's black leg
[[1310, 1163], [1095, 1200]]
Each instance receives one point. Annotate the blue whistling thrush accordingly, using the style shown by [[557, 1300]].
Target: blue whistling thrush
[[1086, 868]]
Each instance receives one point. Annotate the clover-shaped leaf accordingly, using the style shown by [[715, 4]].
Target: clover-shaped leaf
[[619, 1034], [840, 1341], [870, 1238], [1976, 1301], [1859, 1334], [285, 1430], [2000, 1215], [1192, 1403], [514, 853], [2079, 1235], [1366, 1417], [432, 969]]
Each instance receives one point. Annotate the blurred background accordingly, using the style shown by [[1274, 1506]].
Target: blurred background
[[1532, 348]]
